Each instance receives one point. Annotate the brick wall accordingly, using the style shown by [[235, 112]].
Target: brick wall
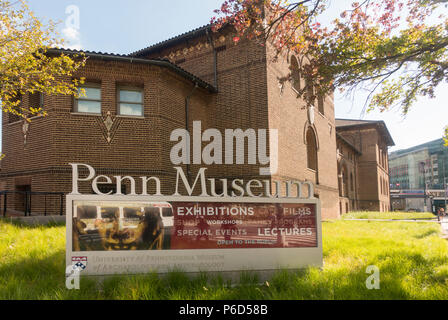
[[372, 167], [289, 115], [250, 96], [248, 81], [348, 179], [139, 146]]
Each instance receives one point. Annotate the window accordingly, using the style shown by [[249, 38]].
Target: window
[[87, 212], [130, 102], [309, 94], [36, 100], [295, 73], [345, 181], [321, 104], [167, 212], [311, 144], [11, 116], [382, 185], [91, 101]]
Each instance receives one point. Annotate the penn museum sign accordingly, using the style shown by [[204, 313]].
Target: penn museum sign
[[238, 230]]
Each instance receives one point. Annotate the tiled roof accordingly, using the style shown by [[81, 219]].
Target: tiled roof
[[183, 36], [342, 124], [87, 52], [353, 122], [126, 58]]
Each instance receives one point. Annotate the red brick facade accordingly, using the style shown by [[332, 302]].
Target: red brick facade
[[225, 86], [363, 165]]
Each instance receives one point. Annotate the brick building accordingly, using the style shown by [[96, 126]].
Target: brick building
[[133, 103], [363, 165]]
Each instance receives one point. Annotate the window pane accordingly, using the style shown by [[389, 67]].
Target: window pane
[[89, 106], [36, 100], [131, 109], [110, 213], [131, 96], [321, 106], [132, 213], [91, 93], [87, 212], [167, 212]]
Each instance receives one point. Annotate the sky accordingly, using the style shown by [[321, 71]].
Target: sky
[[117, 26]]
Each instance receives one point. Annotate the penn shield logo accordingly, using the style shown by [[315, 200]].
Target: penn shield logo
[[79, 263]]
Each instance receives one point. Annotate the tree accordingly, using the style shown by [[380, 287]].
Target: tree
[[26, 67], [446, 137], [396, 49]]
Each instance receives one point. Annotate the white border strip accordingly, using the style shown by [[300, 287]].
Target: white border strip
[[198, 260]]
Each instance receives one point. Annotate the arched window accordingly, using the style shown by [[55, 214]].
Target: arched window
[[352, 184], [321, 104], [309, 92], [11, 116], [311, 148], [345, 181], [295, 73], [340, 183], [382, 185]]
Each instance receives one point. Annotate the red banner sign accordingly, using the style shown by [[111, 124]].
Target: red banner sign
[[193, 225], [243, 225]]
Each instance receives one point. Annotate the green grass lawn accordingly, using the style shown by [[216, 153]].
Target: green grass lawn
[[412, 258], [389, 215]]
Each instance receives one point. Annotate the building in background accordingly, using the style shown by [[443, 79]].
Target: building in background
[[362, 153], [418, 176]]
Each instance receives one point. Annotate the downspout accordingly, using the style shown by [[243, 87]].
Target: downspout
[[215, 59], [356, 182], [187, 121]]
